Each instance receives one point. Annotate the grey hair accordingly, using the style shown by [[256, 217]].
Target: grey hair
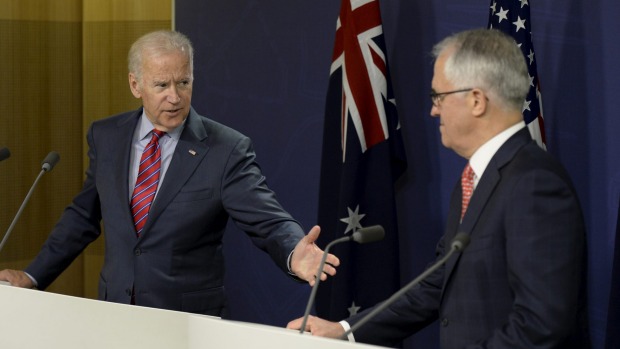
[[158, 43], [487, 59]]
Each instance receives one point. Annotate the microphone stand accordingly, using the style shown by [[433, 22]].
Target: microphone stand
[[318, 279], [48, 163]]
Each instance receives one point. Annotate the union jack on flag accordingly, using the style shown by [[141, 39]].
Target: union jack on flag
[[364, 72], [362, 157], [513, 18]]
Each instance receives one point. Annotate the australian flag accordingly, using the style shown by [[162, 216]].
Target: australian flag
[[513, 18], [362, 158]]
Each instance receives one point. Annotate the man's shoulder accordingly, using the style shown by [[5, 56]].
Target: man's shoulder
[[531, 160], [214, 128], [118, 119]]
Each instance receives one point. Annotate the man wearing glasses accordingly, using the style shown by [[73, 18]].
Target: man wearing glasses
[[521, 281]]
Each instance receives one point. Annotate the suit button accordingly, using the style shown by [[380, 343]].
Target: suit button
[[444, 322], [128, 291], [137, 252]]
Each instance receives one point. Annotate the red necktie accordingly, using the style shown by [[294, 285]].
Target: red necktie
[[146, 182], [467, 185]]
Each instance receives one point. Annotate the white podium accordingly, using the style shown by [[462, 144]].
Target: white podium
[[38, 319]]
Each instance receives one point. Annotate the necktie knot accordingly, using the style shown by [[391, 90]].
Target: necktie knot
[[467, 186], [157, 134]]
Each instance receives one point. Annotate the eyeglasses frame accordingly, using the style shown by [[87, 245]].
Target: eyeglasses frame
[[437, 97]]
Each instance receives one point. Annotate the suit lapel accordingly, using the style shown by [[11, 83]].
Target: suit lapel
[[122, 139], [189, 152], [487, 184]]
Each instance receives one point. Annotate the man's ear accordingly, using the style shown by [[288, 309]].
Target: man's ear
[[480, 102], [134, 86]]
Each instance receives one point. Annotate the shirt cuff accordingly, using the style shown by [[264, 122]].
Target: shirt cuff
[[346, 327], [36, 284], [288, 263]]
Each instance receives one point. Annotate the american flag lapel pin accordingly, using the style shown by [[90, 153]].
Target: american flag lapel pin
[[192, 151]]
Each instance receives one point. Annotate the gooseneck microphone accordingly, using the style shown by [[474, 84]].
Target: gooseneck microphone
[[361, 236], [4, 153], [48, 164], [460, 241]]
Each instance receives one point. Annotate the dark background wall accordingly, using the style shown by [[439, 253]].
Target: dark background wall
[[262, 67]]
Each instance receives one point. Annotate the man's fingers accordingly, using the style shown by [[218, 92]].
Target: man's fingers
[[332, 260], [295, 324], [16, 278], [328, 270]]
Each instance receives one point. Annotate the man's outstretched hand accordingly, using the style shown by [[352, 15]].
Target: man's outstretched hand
[[307, 258]]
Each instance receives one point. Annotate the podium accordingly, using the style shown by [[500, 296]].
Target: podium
[[38, 319]]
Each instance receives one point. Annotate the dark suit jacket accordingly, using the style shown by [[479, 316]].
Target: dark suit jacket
[[177, 263], [521, 281]]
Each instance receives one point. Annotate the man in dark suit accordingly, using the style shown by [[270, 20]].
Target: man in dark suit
[[164, 180], [521, 281]]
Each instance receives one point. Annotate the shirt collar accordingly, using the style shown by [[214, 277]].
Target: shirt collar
[[481, 158], [145, 126]]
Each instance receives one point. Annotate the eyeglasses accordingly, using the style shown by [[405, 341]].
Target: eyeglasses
[[436, 98]]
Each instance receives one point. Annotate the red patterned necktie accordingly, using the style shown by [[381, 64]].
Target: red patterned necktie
[[146, 182], [467, 185]]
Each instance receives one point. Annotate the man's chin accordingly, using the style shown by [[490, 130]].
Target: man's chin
[[174, 123], [445, 142], [170, 123]]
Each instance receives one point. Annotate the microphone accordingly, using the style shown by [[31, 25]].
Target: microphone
[[368, 234], [4, 153], [48, 163], [460, 241], [361, 236]]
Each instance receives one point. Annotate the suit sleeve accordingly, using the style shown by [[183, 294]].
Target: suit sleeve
[[254, 208], [78, 226]]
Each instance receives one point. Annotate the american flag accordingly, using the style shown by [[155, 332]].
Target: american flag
[[513, 18], [362, 157]]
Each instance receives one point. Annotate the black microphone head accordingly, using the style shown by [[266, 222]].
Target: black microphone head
[[460, 241], [4, 153], [50, 161], [368, 234]]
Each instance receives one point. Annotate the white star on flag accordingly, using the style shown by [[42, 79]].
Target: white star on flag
[[502, 14], [353, 309], [519, 23], [353, 221], [531, 57]]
